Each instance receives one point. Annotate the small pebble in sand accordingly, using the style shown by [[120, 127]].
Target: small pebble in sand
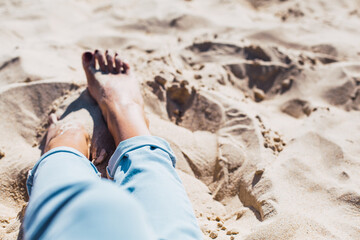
[[160, 80], [286, 84], [240, 214], [232, 232], [184, 83], [279, 148], [277, 139], [219, 224], [232, 238], [259, 95], [213, 235], [2, 154], [218, 219], [197, 76]]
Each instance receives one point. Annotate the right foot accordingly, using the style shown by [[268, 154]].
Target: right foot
[[117, 93]]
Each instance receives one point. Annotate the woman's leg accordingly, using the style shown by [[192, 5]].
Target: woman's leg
[[142, 164], [68, 200]]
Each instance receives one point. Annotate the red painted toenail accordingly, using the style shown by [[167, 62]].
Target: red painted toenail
[[88, 56]]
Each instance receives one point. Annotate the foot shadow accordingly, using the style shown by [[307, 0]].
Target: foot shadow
[[101, 138], [85, 108]]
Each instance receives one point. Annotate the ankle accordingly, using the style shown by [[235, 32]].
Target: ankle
[[127, 121], [72, 139]]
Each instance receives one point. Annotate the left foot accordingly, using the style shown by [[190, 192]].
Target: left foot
[[117, 92], [67, 135]]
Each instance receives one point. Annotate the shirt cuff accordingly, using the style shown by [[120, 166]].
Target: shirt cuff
[[135, 143], [31, 173]]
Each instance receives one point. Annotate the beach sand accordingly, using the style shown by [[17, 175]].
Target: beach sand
[[259, 99]]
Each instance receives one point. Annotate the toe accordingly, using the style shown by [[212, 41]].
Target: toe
[[118, 63], [110, 62], [125, 67], [100, 59], [100, 159], [88, 61]]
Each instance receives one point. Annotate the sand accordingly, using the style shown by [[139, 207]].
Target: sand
[[259, 99]]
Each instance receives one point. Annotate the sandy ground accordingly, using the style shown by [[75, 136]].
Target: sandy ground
[[259, 99]]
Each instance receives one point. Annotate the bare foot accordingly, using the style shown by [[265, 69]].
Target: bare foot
[[71, 134], [117, 92]]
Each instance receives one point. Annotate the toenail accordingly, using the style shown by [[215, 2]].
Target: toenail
[[88, 56]]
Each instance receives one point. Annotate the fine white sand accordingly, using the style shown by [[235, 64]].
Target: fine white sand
[[259, 99]]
